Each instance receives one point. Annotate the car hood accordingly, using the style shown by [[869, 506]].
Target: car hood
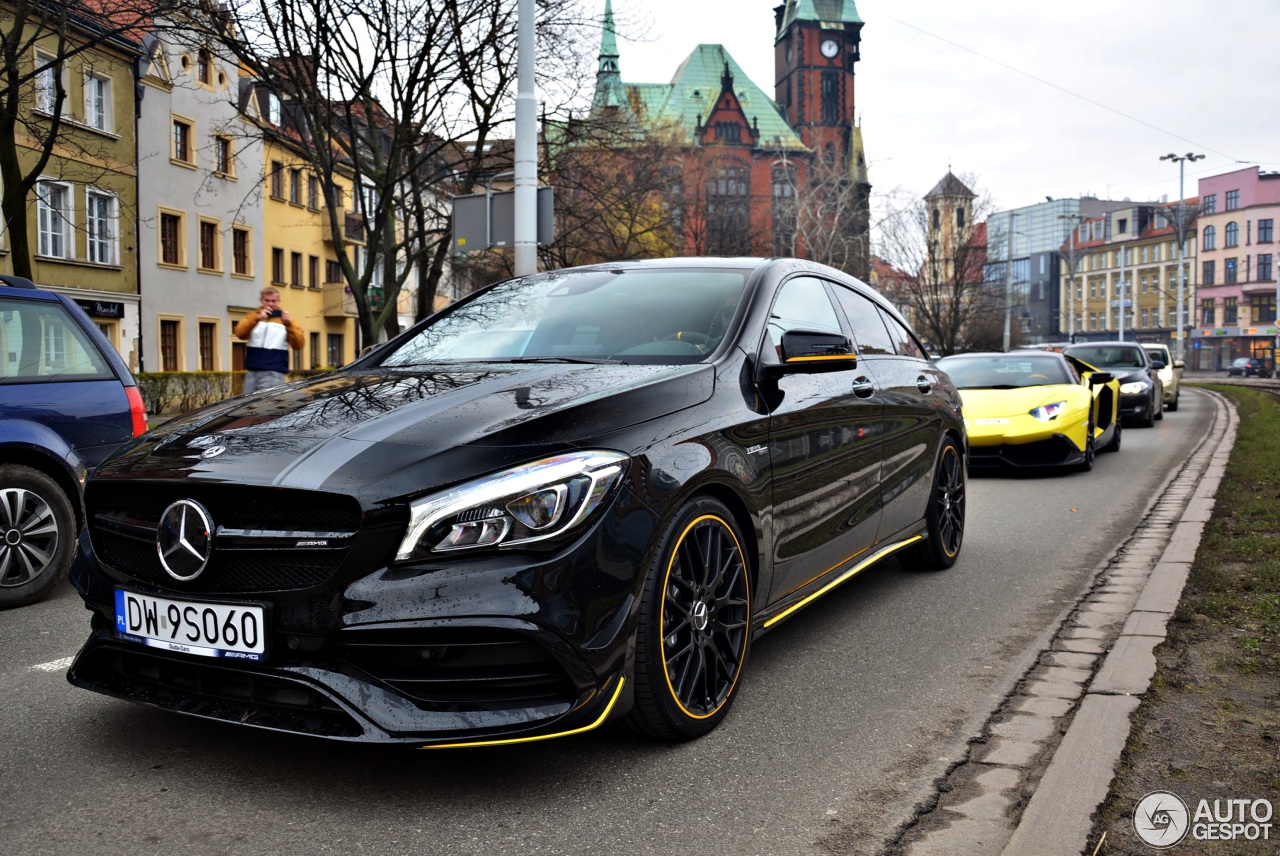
[[1005, 403], [349, 431]]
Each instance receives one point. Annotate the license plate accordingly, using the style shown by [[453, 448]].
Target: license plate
[[236, 631]]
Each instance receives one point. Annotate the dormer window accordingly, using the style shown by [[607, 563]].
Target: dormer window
[[204, 67]]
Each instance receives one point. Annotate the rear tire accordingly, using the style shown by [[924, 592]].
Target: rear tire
[[1173, 405], [695, 626], [37, 535], [944, 516], [1114, 445]]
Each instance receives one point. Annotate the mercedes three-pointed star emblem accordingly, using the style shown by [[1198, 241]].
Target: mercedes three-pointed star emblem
[[184, 539]]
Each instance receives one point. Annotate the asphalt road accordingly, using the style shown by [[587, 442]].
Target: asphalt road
[[849, 712]]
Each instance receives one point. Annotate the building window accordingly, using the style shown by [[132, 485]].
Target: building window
[[1230, 310], [1206, 311], [277, 180], [97, 102], [277, 265], [729, 132], [784, 209], [100, 224], [315, 350], [1210, 204], [960, 217], [207, 333], [222, 155], [169, 338], [1229, 272], [313, 272], [332, 271], [53, 215], [170, 238], [1262, 308], [1233, 200], [335, 349], [313, 193], [1231, 237], [240, 251], [830, 97], [1265, 228], [273, 108], [1207, 274], [295, 186], [1210, 237], [209, 245], [295, 270], [1122, 226], [1264, 267], [47, 80], [728, 226], [183, 150]]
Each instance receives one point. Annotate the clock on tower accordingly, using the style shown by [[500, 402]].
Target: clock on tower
[[829, 48]]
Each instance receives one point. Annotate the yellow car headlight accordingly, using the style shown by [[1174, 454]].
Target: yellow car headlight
[[1049, 412]]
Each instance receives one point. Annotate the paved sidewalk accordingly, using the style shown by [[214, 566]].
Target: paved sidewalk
[[1055, 743]]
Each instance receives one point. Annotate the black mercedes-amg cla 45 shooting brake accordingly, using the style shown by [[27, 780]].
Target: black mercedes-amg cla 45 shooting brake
[[567, 499]]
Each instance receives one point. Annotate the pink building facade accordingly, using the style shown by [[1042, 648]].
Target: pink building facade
[[1237, 257]]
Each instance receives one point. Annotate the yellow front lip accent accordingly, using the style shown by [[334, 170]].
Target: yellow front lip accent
[[600, 721], [861, 566]]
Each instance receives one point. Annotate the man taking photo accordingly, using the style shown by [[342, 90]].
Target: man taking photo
[[270, 333]]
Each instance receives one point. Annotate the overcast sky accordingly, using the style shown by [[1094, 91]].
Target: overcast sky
[[1035, 99]]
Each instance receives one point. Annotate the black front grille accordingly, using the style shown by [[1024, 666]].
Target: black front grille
[[458, 669], [125, 518]]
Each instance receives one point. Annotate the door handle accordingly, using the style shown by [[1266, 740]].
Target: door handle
[[863, 387], [922, 384]]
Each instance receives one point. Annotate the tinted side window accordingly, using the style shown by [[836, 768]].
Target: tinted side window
[[904, 342], [802, 304], [869, 334]]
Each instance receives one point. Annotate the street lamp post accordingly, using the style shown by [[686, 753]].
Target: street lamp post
[[1181, 230], [1072, 221]]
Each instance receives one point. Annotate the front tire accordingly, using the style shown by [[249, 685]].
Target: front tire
[[944, 517], [1173, 405], [1090, 453], [37, 535], [695, 626]]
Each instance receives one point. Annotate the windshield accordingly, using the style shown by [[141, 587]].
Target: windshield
[[1004, 371], [624, 316], [1110, 356]]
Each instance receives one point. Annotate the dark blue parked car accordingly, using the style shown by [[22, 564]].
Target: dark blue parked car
[[67, 399]]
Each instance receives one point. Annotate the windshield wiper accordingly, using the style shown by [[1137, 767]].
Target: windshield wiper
[[588, 360]]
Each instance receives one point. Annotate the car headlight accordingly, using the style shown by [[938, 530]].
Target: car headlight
[[1048, 412], [1138, 386], [519, 506]]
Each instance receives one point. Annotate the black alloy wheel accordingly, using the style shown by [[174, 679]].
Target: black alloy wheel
[[944, 516], [37, 535], [694, 631]]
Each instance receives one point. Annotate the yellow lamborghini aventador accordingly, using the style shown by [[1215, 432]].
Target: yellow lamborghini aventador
[[1035, 408]]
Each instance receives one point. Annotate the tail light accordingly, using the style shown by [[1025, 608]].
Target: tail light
[[137, 410]]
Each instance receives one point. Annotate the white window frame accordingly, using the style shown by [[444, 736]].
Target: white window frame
[[46, 91], [55, 235], [102, 232], [97, 102]]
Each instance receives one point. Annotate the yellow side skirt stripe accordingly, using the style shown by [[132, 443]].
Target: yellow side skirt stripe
[[617, 692], [861, 566]]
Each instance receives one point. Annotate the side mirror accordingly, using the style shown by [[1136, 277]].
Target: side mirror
[[809, 352], [1157, 365], [1179, 364]]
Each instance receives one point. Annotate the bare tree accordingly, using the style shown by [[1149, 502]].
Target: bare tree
[[820, 214], [942, 281], [383, 94], [40, 42]]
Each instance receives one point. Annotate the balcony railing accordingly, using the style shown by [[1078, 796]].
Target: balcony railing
[[338, 301]]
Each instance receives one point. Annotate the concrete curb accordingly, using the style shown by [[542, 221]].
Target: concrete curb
[[1059, 817], [1033, 785]]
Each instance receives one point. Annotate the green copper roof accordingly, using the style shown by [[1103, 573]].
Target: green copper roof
[[825, 11], [688, 99]]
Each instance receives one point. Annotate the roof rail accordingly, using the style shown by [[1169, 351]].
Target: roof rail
[[16, 281]]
